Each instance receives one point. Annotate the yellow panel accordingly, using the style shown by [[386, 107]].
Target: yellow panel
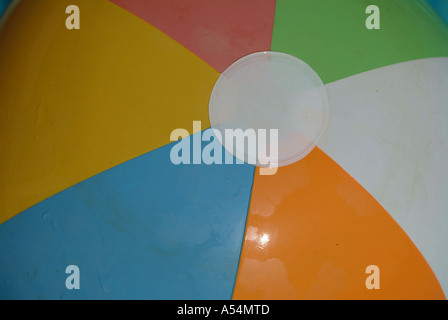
[[74, 103]]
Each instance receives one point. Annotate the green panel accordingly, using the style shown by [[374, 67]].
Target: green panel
[[332, 38]]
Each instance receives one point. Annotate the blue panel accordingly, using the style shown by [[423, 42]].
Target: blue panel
[[146, 229], [441, 7], [3, 5]]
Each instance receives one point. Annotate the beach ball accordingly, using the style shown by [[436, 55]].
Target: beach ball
[[93, 207]]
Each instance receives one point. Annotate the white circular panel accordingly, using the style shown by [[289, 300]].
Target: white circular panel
[[270, 91]]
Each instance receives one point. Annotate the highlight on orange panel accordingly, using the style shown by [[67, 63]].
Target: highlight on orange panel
[[312, 233]]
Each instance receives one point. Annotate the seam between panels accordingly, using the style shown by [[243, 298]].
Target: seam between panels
[[245, 230]]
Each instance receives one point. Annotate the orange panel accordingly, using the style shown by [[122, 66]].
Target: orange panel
[[311, 233]]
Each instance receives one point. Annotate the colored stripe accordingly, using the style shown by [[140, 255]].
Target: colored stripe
[[312, 231], [331, 36], [388, 131], [77, 102], [219, 32], [145, 229]]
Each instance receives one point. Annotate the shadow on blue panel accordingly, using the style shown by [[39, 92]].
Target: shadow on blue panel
[[146, 229]]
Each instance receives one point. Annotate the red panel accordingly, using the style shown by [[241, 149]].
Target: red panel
[[217, 31]]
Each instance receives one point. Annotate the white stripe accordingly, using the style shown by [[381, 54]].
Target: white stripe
[[389, 130]]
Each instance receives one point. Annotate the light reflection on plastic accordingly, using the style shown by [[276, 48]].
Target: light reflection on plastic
[[264, 239]]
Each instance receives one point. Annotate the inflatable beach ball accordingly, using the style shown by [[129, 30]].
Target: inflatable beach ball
[[105, 110]]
